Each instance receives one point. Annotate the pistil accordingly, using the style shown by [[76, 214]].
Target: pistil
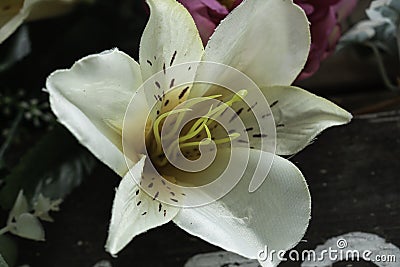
[[200, 125]]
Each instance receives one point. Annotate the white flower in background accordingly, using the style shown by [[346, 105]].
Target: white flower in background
[[381, 27], [380, 32], [271, 47], [14, 12], [24, 222]]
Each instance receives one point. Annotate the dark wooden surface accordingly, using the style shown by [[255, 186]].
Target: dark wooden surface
[[354, 176]]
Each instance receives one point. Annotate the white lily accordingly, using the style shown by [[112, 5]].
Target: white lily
[[14, 12], [91, 98]]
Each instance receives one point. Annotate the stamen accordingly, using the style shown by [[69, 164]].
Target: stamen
[[157, 124], [205, 141], [227, 139], [195, 130], [236, 98], [200, 121], [192, 133], [208, 132], [180, 117]]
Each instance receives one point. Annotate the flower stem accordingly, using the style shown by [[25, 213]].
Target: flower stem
[[398, 40], [4, 230], [10, 135], [382, 68]]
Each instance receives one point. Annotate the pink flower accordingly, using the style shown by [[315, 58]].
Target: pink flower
[[324, 16]]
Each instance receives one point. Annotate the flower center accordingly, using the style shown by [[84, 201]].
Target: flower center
[[187, 127]]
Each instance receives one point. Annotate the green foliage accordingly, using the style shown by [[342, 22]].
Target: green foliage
[[2, 262], [52, 167], [8, 249], [15, 49]]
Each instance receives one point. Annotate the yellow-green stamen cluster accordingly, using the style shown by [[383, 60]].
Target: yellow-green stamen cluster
[[189, 138]]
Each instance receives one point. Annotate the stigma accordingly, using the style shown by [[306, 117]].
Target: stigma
[[196, 133]]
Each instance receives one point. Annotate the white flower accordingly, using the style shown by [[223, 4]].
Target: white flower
[[381, 27], [271, 47], [14, 12]]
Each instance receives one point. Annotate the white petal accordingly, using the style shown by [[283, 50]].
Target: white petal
[[300, 116], [134, 212], [44, 205], [90, 99], [266, 39], [170, 38], [276, 215], [28, 226], [20, 207], [12, 14]]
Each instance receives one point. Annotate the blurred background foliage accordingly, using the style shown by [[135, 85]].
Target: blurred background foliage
[[37, 155]]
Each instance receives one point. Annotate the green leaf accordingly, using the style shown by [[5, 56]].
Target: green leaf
[[54, 167], [8, 249], [15, 48], [3, 263]]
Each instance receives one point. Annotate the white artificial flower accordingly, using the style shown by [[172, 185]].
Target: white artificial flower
[[271, 47], [381, 27], [14, 12]]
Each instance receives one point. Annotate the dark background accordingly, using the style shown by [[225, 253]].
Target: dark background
[[352, 171]]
